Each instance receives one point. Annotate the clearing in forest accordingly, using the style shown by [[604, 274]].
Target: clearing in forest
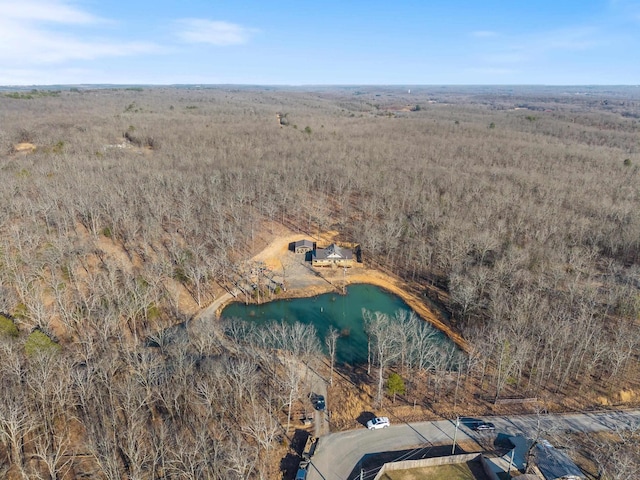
[[302, 280]]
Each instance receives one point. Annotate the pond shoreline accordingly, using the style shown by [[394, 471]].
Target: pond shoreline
[[371, 277], [341, 312], [305, 281]]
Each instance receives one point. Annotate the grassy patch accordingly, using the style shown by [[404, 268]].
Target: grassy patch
[[456, 471], [180, 274], [153, 311], [7, 327], [66, 271], [20, 311], [57, 148], [39, 343]]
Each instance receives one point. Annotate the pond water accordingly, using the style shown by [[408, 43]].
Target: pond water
[[343, 312]]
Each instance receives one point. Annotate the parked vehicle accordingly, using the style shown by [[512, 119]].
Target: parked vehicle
[[318, 402], [309, 448], [484, 426], [302, 474], [378, 422]]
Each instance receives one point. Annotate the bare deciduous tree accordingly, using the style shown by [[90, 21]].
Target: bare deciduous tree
[[331, 341]]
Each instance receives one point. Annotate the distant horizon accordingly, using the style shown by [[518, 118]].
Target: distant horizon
[[460, 42], [323, 85]]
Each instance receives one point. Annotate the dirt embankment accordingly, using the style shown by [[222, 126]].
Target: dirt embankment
[[301, 280]]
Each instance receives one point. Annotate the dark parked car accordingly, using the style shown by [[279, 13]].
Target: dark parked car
[[484, 426], [319, 403]]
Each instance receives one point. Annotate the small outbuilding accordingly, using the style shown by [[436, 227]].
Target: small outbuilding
[[332, 255], [303, 246]]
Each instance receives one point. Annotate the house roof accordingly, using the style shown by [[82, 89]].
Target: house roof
[[333, 252], [555, 464], [303, 243]]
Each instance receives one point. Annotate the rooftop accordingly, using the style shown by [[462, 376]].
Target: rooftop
[[555, 464], [333, 251]]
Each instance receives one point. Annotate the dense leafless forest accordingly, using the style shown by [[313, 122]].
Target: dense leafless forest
[[515, 210]]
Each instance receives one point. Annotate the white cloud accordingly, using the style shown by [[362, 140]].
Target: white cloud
[[194, 30], [26, 45], [31, 34], [54, 11]]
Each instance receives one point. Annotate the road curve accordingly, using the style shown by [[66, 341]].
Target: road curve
[[337, 454]]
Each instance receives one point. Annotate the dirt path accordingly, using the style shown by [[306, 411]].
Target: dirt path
[[211, 311], [319, 387]]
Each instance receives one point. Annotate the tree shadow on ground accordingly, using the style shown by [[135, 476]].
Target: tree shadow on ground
[[299, 440], [289, 466], [291, 461], [364, 417], [355, 374]]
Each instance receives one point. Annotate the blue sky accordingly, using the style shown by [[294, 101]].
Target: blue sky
[[404, 42]]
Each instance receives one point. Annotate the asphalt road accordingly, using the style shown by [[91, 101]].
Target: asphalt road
[[337, 454]]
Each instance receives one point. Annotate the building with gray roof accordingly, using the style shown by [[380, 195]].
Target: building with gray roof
[[332, 255]]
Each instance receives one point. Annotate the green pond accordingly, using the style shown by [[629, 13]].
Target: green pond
[[343, 312]]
